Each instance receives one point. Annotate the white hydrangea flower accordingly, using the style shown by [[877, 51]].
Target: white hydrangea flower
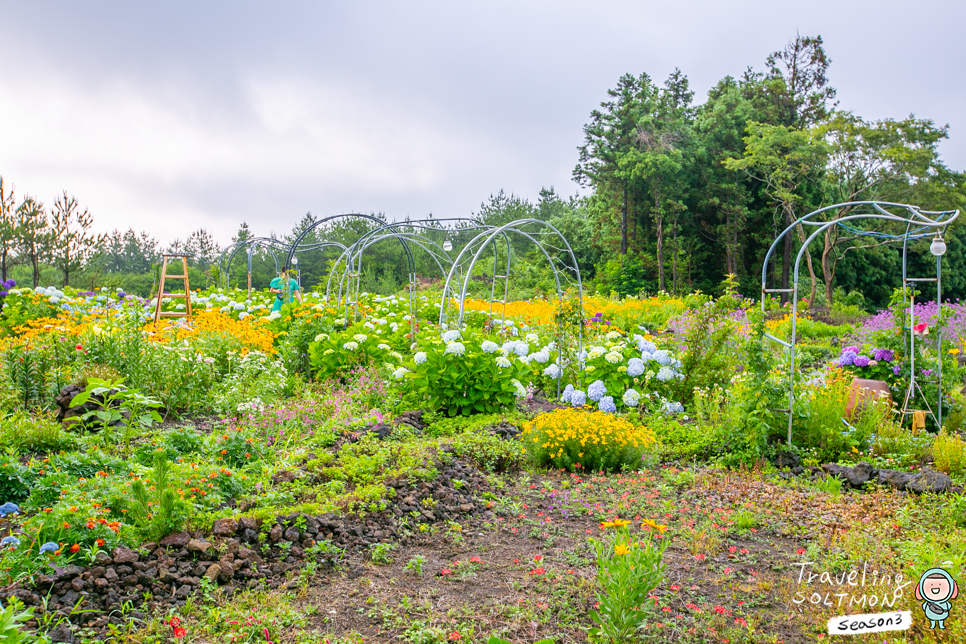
[[394, 326], [552, 371], [541, 357], [369, 326], [631, 398], [396, 355], [321, 336], [596, 352], [532, 337], [420, 357], [521, 390], [327, 352], [502, 362], [350, 346], [451, 336], [613, 357], [613, 335], [665, 373], [663, 357], [384, 347], [456, 348], [406, 318], [360, 337], [400, 372], [242, 315], [489, 346]]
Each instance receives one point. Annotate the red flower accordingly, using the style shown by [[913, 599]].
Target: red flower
[[454, 636], [75, 548], [179, 632], [79, 347], [800, 551], [537, 571]]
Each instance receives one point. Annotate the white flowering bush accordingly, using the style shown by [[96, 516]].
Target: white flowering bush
[[252, 379], [462, 377]]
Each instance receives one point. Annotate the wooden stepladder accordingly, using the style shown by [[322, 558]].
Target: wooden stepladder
[[158, 314]]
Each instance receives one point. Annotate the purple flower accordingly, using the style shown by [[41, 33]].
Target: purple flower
[[847, 359], [853, 349], [4, 293], [884, 355], [10, 284], [121, 295], [861, 361], [896, 369]]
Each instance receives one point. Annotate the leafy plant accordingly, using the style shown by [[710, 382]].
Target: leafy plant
[[627, 572], [157, 511], [462, 379], [11, 621], [121, 409], [415, 565]]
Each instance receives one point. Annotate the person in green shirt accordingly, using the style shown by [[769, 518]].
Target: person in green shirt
[[284, 288]]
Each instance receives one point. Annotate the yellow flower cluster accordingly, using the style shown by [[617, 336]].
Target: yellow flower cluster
[[252, 335], [589, 440], [543, 311]]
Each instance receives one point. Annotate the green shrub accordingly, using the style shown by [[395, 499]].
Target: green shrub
[[155, 508], [34, 433], [949, 454], [15, 480], [490, 452], [463, 381]]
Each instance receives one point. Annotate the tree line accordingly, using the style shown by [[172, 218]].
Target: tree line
[[683, 194]]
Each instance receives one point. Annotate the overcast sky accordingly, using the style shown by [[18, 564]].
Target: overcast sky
[[171, 116]]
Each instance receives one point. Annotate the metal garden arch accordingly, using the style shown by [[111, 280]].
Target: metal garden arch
[[919, 224]]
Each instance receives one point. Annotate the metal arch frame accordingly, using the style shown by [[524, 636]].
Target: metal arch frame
[[352, 256], [483, 239], [927, 224], [349, 215], [251, 243]]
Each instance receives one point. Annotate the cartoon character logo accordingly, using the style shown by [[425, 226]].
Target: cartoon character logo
[[936, 590]]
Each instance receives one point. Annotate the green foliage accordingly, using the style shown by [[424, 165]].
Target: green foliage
[[756, 395], [949, 454], [34, 433], [627, 572], [15, 480], [490, 452], [463, 384], [708, 360], [155, 508], [12, 619]]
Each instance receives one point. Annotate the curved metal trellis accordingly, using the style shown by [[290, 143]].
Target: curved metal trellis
[[919, 224], [549, 241]]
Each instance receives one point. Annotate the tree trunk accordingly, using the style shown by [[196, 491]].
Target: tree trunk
[[811, 269], [786, 260], [659, 227], [828, 266], [624, 223], [674, 253], [35, 260]]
